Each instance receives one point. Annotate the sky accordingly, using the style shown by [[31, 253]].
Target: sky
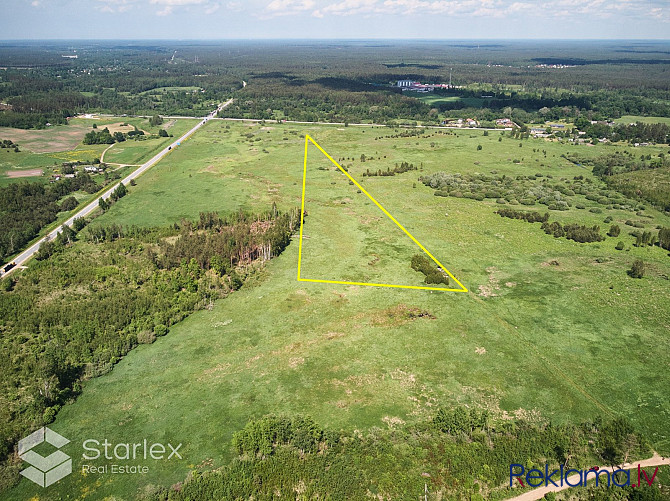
[[313, 19]]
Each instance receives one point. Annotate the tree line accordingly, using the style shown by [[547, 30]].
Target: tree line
[[278, 454]]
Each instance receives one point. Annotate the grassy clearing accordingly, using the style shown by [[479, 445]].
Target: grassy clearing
[[534, 339], [629, 119], [49, 140]]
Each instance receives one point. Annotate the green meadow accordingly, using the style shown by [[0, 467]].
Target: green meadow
[[550, 330], [136, 152]]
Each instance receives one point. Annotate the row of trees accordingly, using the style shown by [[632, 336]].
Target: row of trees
[[279, 454], [398, 169], [530, 217], [573, 231]]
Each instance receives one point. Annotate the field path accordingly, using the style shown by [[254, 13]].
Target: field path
[[28, 253], [539, 493]]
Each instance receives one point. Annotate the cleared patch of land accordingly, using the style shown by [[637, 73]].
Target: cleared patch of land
[[24, 173], [49, 140], [631, 119], [123, 127]]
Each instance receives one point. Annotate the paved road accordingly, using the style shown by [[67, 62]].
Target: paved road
[[539, 493], [22, 258]]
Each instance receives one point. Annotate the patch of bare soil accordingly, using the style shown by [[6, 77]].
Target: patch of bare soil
[[399, 315], [24, 173], [493, 285], [119, 127]]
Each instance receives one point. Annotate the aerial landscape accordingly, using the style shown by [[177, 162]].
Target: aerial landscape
[[335, 250]]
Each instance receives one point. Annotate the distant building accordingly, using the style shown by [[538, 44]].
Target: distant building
[[405, 83]]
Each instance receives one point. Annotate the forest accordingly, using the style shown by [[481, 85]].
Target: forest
[[341, 82], [75, 313], [25, 208]]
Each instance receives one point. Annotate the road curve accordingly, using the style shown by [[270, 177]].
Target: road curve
[[539, 493], [28, 253]]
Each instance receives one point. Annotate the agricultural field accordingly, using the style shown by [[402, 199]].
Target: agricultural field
[[42, 151], [630, 119], [550, 329], [136, 152]]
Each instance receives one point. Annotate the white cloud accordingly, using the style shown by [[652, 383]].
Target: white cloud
[[284, 7]]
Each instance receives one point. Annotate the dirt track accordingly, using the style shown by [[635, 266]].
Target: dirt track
[[539, 493]]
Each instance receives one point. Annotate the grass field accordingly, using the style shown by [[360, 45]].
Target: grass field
[[137, 152], [532, 338], [434, 99], [629, 119]]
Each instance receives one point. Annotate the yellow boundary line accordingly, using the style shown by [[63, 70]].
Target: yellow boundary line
[[309, 139]]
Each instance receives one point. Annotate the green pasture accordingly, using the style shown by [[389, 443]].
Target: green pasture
[[550, 330], [629, 119]]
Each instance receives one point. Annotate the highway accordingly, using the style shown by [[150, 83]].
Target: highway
[[28, 253]]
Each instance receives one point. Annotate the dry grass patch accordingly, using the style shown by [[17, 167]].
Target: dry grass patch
[[24, 173], [399, 315]]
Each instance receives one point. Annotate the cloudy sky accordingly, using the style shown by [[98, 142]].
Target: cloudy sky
[[222, 19]]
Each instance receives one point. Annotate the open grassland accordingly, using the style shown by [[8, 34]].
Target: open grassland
[[630, 119], [551, 329]]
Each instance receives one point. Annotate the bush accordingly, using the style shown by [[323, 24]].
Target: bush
[[160, 330], [620, 245], [70, 203], [638, 269], [146, 337], [614, 230]]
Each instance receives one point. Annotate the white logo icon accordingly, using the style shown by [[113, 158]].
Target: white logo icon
[[45, 470]]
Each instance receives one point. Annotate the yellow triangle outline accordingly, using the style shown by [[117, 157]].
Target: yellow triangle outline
[[309, 139]]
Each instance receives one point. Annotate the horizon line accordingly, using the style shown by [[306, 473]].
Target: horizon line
[[342, 39]]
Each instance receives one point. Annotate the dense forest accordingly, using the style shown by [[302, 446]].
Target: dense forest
[[73, 315], [25, 208], [341, 82], [460, 454]]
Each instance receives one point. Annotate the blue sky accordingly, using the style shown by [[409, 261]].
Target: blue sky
[[222, 19]]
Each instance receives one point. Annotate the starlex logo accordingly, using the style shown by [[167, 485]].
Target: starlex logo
[[577, 478], [45, 471]]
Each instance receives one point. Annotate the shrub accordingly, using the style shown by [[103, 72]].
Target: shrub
[[146, 337], [614, 230], [160, 330], [70, 203], [619, 246], [638, 269]]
